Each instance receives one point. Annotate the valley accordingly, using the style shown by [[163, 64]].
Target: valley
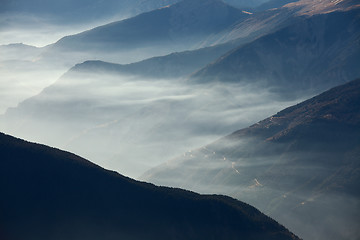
[[173, 93]]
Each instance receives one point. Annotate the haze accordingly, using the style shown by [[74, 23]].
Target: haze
[[172, 92]]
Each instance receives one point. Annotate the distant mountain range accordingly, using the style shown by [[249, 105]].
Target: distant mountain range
[[51, 194], [174, 65], [284, 48], [180, 26], [310, 53], [185, 25], [301, 163]]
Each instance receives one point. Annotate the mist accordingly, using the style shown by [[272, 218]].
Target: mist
[[130, 101], [23, 74], [37, 31], [29, 62], [294, 188], [129, 124]]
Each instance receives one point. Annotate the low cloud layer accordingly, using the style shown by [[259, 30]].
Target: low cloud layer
[[129, 124]]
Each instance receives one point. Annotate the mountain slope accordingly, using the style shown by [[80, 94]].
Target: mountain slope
[[314, 53], [182, 25], [174, 65], [302, 161], [51, 194], [264, 21]]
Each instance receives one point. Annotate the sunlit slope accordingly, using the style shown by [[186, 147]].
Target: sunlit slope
[[52, 194], [299, 166]]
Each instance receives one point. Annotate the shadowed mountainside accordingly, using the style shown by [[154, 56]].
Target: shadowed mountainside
[[315, 34], [315, 53], [174, 65], [52, 194]]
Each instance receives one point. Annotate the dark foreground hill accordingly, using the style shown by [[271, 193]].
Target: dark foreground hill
[[52, 194], [300, 166]]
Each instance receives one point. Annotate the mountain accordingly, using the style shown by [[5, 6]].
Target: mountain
[[180, 26], [174, 65], [47, 65], [262, 21], [244, 30], [314, 53], [52, 194], [302, 162], [180, 64], [186, 25]]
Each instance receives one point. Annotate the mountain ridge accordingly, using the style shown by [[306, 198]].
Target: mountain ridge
[[159, 26], [317, 56]]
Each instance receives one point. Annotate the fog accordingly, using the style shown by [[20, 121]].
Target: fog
[[40, 31], [24, 38], [23, 75], [26, 70], [129, 124]]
